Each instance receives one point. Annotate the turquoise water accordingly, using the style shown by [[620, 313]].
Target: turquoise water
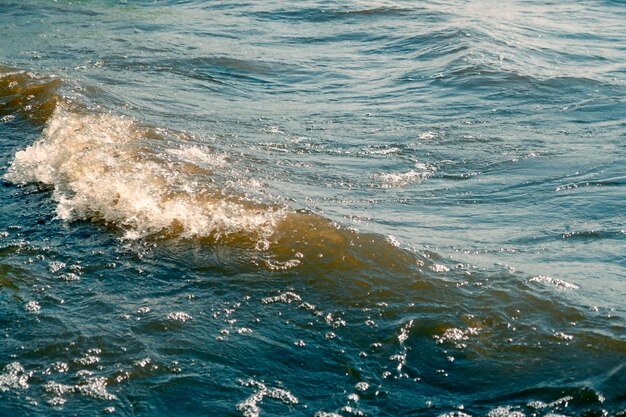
[[377, 208]]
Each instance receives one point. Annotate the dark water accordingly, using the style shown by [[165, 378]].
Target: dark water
[[377, 208]]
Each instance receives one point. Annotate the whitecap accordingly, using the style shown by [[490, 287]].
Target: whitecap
[[107, 168]]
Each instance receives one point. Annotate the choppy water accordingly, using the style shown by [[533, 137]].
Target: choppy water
[[378, 208]]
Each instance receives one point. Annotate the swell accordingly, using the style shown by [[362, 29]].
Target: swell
[[159, 186]]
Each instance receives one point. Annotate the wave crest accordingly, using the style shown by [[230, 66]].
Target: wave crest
[[150, 184], [105, 168]]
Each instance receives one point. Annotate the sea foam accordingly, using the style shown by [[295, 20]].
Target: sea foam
[[103, 167]]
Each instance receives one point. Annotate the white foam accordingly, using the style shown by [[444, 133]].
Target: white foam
[[58, 389], [95, 388], [286, 297], [439, 268], [200, 154], [179, 316], [56, 266], [14, 377], [87, 360], [400, 179], [32, 307], [60, 367], [456, 336], [506, 411], [362, 386], [427, 135], [56, 402], [106, 168], [554, 281], [563, 336], [382, 151], [250, 407]]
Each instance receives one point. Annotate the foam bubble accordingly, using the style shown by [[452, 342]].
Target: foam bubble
[[362, 386], [87, 360], [439, 268], [250, 407], [505, 411], [554, 281], [56, 402], [456, 336], [286, 297], [95, 388], [200, 154], [60, 367], [32, 307], [427, 135], [56, 266], [14, 377], [400, 179], [179, 316], [58, 389], [563, 336]]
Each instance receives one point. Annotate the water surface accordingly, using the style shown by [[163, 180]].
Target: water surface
[[379, 208]]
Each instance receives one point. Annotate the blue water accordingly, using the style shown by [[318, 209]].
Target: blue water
[[377, 208]]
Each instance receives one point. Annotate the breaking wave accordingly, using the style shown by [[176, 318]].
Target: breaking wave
[[103, 168], [154, 183]]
